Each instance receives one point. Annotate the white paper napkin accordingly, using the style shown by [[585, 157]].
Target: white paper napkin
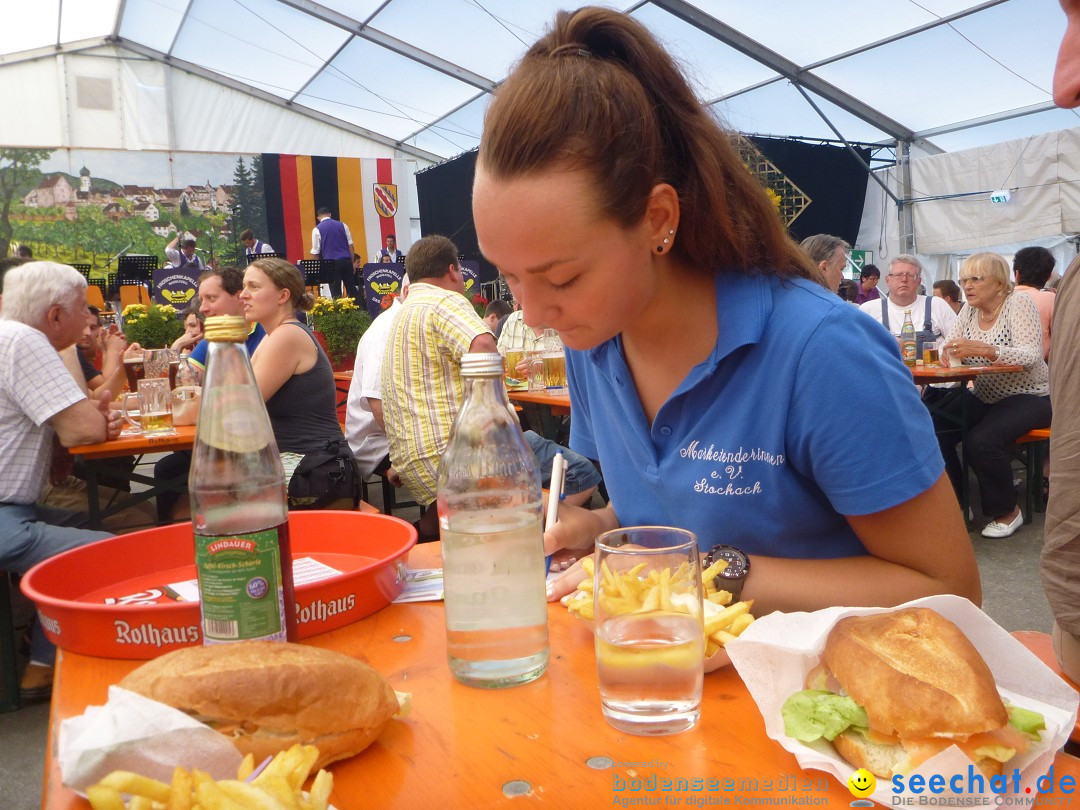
[[776, 652], [134, 733]]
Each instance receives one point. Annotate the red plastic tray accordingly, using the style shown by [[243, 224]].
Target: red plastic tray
[[69, 589]]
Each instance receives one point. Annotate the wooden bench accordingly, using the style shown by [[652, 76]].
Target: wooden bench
[[1031, 450]]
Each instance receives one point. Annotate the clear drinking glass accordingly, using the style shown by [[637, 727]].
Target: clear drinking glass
[[649, 649], [535, 359], [154, 417], [157, 363]]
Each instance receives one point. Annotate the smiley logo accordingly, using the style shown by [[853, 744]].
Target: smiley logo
[[861, 783]]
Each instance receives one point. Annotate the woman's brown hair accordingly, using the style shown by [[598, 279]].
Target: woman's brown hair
[[599, 93], [285, 276]]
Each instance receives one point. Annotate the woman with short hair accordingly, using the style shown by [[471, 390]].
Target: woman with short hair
[[995, 326]]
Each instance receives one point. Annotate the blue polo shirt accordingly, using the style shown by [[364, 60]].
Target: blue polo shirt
[[755, 448], [198, 354]]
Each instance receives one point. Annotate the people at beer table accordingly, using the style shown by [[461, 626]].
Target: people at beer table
[[701, 344]]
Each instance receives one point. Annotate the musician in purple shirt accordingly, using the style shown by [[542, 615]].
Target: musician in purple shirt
[[332, 241]]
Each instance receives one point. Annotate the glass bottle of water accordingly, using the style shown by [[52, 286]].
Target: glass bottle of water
[[239, 507], [907, 339], [492, 543]]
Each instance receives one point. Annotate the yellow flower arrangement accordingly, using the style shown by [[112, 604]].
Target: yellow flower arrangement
[[152, 327], [342, 322]]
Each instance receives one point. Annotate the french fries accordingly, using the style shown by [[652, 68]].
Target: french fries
[[279, 786], [629, 592]]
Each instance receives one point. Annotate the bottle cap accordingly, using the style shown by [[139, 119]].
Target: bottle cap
[[481, 364], [226, 329]]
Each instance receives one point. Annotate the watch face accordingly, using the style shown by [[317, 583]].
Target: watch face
[[737, 563]]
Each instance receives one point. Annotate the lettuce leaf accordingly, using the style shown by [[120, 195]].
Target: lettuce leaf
[[812, 714]]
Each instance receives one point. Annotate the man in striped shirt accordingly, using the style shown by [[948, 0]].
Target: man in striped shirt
[[421, 381]]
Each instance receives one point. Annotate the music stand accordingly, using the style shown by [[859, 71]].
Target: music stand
[[314, 272], [254, 256], [84, 269], [137, 269]]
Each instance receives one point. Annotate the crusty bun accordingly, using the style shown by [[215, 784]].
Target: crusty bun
[[886, 758], [266, 696], [924, 687], [915, 673]]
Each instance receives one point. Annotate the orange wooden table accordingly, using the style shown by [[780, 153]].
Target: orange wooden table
[[135, 445], [542, 743], [941, 374], [342, 381], [556, 399]]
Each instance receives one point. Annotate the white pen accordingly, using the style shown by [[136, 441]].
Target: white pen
[[555, 488]]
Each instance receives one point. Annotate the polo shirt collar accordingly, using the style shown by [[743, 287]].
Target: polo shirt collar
[[743, 307]]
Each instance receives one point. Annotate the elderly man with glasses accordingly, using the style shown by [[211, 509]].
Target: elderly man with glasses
[[932, 316]]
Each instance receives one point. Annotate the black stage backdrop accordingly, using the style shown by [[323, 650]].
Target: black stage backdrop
[[445, 195], [829, 175]]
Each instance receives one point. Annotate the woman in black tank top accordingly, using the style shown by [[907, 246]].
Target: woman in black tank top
[[293, 373]]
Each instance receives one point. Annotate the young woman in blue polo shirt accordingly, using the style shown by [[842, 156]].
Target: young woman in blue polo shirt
[[711, 374]]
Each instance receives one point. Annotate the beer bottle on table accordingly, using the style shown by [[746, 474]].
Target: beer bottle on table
[[907, 339], [239, 507], [492, 543]]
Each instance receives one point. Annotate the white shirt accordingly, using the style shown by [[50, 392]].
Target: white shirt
[[34, 387], [942, 316], [173, 257], [316, 237], [261, 247], [365, 436]]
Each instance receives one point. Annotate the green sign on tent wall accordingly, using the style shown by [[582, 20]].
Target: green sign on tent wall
[[857, 260]]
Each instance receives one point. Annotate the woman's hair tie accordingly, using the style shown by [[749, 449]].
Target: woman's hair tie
[[571, 49]]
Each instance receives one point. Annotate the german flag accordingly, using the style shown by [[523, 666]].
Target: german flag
[[370, 195]]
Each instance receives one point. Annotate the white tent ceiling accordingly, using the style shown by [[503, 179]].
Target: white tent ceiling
[[417, 74]]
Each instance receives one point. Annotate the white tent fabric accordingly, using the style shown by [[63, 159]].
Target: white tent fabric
[[415, 75], [412, 78], [953, 216]]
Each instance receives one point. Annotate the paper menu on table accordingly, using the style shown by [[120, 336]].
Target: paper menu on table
[[422, 585], [776, 651], [426, 585], [305, 570]]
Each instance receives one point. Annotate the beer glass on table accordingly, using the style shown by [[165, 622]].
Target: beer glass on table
[[154, 400]]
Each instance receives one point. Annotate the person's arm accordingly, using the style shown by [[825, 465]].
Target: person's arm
[[376, 411], [85, 422], [278, 357], [71, 362], [185, 341], [112, 366], [348, 235], [484, 342], [316, 242], [175, 241], [918, 548]]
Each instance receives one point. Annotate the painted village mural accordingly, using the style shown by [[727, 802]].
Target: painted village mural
[[122, 202]]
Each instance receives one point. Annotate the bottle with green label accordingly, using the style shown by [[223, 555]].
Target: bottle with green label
[[239, 507], [907, 339]]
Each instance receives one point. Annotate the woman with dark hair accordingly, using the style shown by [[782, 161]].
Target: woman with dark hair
[[293, 372], [702, 348], [869, 277]]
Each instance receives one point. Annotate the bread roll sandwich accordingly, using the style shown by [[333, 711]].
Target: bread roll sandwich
[[894, 689], [266, 696]]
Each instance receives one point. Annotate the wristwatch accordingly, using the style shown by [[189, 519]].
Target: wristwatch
[[733, 577]]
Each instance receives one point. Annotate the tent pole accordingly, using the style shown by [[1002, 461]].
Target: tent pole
[[903, 204]]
